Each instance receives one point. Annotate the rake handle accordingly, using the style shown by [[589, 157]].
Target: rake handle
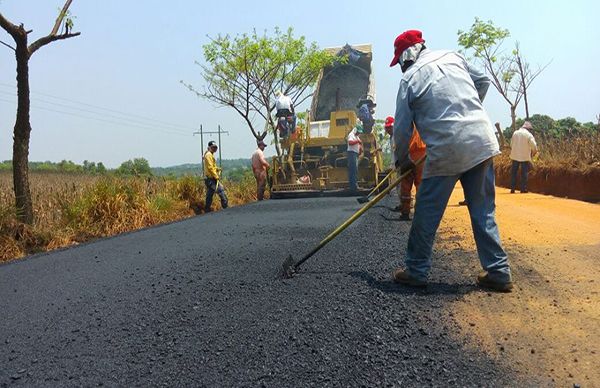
[[380, 183], [356, 215]]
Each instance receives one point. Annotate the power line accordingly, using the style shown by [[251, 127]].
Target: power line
[[104, 109], [182, 131], [101, 120]]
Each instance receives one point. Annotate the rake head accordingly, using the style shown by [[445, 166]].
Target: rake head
[[288, 268], [362, 199]]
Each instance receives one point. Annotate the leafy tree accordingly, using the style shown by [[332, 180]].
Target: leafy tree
[[69, 166], [22, 130], [545, 126], [100, 169], [89, 166], [244, 71], [137, 167]]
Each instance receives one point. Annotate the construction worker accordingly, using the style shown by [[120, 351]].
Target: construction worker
[[522, 148], [366, 110], [259, 168], [388, 126], [442, 95], [286, 116], [416, 150], [211, 178], [354, 149]]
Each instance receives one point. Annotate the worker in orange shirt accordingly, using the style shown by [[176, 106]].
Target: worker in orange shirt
[[416, 150]]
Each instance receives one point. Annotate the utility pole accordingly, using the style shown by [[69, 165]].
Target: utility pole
[[201, 133], [220, 165], [201, 148]]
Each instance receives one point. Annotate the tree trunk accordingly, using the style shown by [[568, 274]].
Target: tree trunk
[[277, 145], [523, 76], [513, 117], [501, 138], [22, 132], [526, 102]]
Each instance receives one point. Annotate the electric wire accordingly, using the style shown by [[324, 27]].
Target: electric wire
[[101, 114], [122, 123], [128, 116]]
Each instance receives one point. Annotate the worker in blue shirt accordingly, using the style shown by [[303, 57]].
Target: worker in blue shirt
[[442, 95]]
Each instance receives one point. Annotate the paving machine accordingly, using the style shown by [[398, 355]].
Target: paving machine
[[314, 161]]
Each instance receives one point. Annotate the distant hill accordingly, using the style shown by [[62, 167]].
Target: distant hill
[[233, 169], [228, 165]]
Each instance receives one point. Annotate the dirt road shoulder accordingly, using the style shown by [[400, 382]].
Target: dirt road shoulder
[[550, 325]]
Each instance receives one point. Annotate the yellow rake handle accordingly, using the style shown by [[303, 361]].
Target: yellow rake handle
[[356, 215], [380, 183]]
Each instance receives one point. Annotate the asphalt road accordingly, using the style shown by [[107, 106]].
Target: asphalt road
[[199, 303]]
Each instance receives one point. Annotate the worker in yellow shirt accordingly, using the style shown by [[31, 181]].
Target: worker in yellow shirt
[[211, 178]]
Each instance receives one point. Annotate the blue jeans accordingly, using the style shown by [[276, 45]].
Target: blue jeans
[[352, 169], [433, 195], [513, 174], [212, 187]]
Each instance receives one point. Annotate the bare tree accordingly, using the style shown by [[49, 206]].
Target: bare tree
[[511, 75], [22, 130], [525, 75], [485, 40]]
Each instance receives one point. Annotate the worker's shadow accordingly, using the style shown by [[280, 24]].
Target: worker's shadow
[[393, 219], [389, 287]]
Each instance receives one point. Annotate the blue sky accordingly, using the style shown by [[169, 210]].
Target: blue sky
[[132, 54]]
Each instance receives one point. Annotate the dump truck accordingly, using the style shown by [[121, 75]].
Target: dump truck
[[314, 161]]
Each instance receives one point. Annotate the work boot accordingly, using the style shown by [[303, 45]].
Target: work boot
[[405, 217], [485, 281], [403, 276]]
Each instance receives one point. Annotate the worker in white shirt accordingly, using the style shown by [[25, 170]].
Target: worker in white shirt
[[522, 148], [286, 116]]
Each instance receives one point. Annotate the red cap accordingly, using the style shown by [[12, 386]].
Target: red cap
[[389, 122], [404, 41]]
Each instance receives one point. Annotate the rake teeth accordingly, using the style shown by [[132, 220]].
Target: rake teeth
[[287, 268]]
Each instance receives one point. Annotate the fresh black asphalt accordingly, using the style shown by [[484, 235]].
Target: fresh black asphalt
[[199, 303]]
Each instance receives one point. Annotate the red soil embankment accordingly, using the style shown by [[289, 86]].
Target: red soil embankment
[[560, 182]]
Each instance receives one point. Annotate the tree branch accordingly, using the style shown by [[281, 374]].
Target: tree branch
[[60, 17], [49, 39], [9, 27]]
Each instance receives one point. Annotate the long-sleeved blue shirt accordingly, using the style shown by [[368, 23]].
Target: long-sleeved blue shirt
[[443, 96]]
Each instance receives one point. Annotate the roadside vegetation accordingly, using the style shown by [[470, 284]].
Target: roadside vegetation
[[564, 144], [74, 207]]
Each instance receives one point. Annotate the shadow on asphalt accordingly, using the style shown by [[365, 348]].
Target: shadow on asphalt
[[388, 286], [393, 219], [330, 272]]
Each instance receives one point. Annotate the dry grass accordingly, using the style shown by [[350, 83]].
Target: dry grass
[[72, 208], [579, 152]]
